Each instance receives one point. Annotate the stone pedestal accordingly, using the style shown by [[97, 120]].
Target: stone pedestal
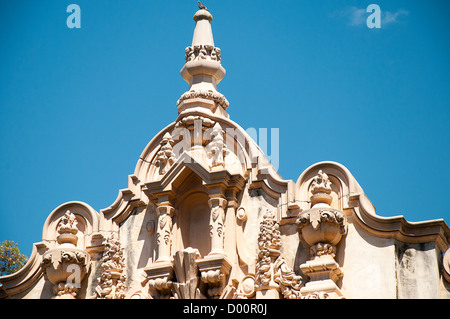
[[214, 271]]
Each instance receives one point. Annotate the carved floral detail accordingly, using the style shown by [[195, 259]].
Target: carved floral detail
[[316, 295], [321, 249], [76, 257], [206, 94], [65, 268], [286, 278], [65, 290], [317, 216], [111, 284], [321, 183], [68, 224], [202, 52], [66, 265], [271, 267]]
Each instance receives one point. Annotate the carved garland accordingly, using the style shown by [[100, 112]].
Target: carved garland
[[270, 264], [112, 280], [206, 94], [202, 52]]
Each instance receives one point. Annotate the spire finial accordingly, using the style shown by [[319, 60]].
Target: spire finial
[[203, 69]]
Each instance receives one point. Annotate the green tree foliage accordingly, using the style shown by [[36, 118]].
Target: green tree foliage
[[11, 260]]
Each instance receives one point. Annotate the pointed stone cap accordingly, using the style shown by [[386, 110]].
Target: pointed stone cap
[[203, 69], [202, 32]]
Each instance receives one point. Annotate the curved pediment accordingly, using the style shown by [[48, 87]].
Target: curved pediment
[[347, 195], [172, 182], [215, 142], [87, 222]]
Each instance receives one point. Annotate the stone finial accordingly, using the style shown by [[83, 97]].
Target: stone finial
[[322, 228], [67, 229], [203, 32], [203, 69], [321, 190], [321, 184], [68, 224], [59, 263]]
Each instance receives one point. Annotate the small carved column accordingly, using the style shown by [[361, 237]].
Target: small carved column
[[164, 232], [216, 224]]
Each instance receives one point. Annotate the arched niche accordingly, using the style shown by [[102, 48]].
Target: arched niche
[[87, 222], [193, 221]]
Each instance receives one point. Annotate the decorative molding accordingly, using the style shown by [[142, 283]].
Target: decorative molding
[[159, 276], [202, 52], [214, 271], [212, 95]]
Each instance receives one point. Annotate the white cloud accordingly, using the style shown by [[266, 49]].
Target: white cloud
[[358, 16], [389, 17]]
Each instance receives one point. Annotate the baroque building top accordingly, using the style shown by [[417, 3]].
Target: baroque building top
[[206, 215]]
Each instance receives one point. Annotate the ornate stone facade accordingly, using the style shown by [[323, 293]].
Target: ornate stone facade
[[205, 215]]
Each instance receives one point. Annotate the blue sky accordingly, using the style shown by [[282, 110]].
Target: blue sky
[[78, 106]]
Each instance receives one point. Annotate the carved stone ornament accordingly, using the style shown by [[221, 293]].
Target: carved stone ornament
[[272, 271], [66, 266], [322, 228], [175, 280], [202, 52], [324, 225], [215, 96], [214, 271], [112, 282], [188, 276], [165, 157], [217, 149], [321, 223], [68, 224], [164, 231]]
